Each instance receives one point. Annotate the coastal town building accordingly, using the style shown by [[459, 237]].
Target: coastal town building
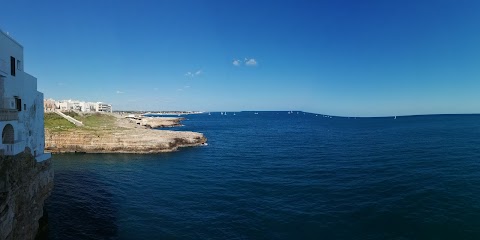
[[103, 107], [21, 115], [76, 105]]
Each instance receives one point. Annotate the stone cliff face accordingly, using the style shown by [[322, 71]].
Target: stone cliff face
[[123, 141], [24, 186], [160, 122]]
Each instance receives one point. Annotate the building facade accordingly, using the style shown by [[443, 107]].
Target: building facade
[[21, 105], [79, 106], [103, 107]]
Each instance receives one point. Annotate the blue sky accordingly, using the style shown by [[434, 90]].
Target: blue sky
[[349, 58]]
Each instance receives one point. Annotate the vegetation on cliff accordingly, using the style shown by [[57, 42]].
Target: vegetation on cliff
[[110, 133], [55, 122], [94, 121]]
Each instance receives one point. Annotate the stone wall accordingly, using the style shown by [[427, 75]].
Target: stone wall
[[24, 186]]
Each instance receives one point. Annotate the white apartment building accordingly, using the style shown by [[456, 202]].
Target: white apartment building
[[80, 106], [21, 105], [103, 107]]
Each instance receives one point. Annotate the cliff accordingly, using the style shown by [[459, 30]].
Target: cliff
[[121, 141], [104, 133], [159, 122], [24, 186]]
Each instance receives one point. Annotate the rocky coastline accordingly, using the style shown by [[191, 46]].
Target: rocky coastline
[[25, 184], [117, 134], [158, 122]]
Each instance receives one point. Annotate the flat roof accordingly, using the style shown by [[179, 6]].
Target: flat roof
[[11, 38]]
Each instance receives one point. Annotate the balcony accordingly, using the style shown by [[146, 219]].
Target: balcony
[[8, 115], [11, 149]]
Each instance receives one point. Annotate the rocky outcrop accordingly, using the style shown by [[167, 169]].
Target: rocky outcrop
[[117, 134], [159, 122], [24, 186], [121, 141]]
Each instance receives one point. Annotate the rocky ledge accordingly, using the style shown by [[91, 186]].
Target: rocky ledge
[[158, 122], [125, 141], [116, 134], [24, 186]]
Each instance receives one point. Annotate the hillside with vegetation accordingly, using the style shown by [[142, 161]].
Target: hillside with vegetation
[[111, 133]]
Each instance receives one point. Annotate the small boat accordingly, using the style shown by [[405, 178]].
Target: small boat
[[256, 113]]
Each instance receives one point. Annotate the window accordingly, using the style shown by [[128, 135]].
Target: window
[[18, 104], [12, 66], [19, 65], [24, 107]]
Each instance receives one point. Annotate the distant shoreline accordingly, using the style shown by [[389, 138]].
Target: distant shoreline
[[114, 133]]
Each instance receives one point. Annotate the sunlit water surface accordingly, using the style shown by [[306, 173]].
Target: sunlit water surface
[[275, 175]]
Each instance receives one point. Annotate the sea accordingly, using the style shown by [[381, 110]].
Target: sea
[[281, 175]]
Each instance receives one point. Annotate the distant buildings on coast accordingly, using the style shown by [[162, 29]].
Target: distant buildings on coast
[[51, 105]]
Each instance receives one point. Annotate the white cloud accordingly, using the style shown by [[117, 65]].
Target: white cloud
[[250, 62], [236, 62], [119, 92], [194, 74], [186, 87]]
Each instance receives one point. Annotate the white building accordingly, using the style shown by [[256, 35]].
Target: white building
[[21, 105], [80, 106], [103, 107], [69, 105]]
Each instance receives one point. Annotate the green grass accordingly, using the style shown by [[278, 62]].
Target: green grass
[[97, 120], [55, 122], [72, 114], [91, 121]]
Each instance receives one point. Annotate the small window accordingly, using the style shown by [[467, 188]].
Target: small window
[[24, 107], [18, 103], [19, 65], [12, 66]]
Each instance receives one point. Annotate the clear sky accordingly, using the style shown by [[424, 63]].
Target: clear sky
[[349, 58]]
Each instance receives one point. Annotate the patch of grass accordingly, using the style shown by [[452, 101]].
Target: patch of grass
[[91, 122], [97, 120], [54, 122], [72, 114]]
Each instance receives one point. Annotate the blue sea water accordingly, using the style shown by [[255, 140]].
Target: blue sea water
[[275, 175]]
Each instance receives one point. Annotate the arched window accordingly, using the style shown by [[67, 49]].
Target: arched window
[[8, 136]]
